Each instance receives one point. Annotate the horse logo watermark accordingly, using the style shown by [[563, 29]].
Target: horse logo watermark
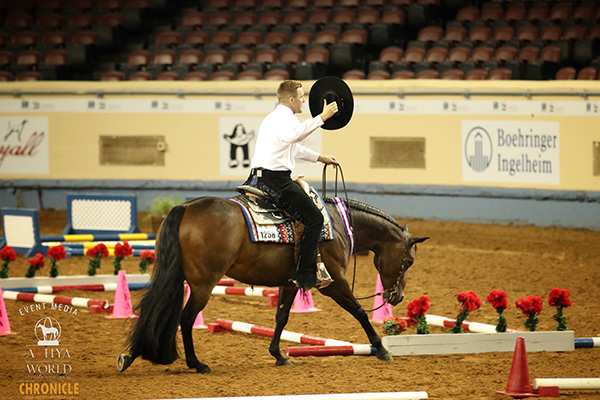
[[47, 331], [478, 149]]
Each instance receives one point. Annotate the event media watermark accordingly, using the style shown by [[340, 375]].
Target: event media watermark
[[48, 357]]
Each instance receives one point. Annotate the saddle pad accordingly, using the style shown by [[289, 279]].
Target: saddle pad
[[270, 225]]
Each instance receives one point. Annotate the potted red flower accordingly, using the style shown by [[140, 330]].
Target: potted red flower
[[468, 302], [7, 254], [121, 251], [559, 298], [96, 254], [147, 258], [35, 263], [416, 310], [530, 306], [56, 253], [394, 326], [499, 301]]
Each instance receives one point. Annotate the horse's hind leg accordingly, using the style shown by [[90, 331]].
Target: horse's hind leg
[[286, 299], [198, 299]]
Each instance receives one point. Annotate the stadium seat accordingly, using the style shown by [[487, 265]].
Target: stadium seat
[[491, 12], [219, 19], [500, 74], [344, 17], [29, 76], [49, 21], [197, 38], [354, 74], [538, 12], [480, 34], [566, 73], [223, 38], [403, 74], [294, 18], [169, 38], [455, 34], [428, 74], [467, 14], [18, 21], [249, 76], [112, 20], [414, 55], [455, 74], [378, 75], [113, 76], [215, 57], [588, 73], [222, 76], [482, 54], [476, 74], [245, 19], [195, 76], [277, 75], [272, 4], [167, 76], [246, 4], [6, 59], [291, 55], [527, 33], [81, 21], [367, 17], [140, 76], [301, 38], [5, 76], [29, 59], [24, 39], [516, 12], [560, 12], [193, 19], [54, 38], [459, 54]]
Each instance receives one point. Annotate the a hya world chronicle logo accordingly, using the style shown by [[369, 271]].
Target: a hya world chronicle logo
[[47, 331], [478, 149]]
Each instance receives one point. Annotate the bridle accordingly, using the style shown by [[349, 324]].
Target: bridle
[[386, 293]]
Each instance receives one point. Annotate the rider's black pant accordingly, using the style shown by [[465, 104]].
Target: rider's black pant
[[290, 197]]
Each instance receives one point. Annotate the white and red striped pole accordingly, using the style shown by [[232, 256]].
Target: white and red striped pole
[[268, 332], [475, 327], [323, 351], [50, 299]]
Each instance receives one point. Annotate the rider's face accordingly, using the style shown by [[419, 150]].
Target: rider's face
[[297, 102]]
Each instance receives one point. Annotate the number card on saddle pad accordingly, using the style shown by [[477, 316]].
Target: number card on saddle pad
[[267, 223]]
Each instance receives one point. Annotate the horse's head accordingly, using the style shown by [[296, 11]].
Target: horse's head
[[393, 262]]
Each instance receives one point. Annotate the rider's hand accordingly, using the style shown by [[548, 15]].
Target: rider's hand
[[329, 110], [328, 160]]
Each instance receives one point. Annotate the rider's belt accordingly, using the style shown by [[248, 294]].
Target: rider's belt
[[260, 172]]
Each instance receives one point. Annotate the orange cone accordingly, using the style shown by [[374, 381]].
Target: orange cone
[[382, 311], [199, 322], [303, 303], [4, 324], [122, 308], [519, 384]]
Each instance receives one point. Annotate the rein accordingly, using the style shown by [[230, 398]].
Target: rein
[[339, 171]]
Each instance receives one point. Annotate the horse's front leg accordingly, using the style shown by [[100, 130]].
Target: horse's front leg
[[340, 292], [284, 304]]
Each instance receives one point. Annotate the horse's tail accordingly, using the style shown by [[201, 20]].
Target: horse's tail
[[153, 337]]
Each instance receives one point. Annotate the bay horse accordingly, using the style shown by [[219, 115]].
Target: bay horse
[[204, 239]]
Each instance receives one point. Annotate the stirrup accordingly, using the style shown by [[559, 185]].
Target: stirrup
[[323, 277]]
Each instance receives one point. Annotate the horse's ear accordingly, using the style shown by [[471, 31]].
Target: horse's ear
[[415, 240], [405, 227]]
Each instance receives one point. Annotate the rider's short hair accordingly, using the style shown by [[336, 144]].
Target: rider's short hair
[[287, 89]]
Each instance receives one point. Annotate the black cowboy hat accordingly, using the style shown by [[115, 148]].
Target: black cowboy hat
[[331, 89]]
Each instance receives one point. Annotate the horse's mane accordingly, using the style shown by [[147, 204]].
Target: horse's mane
[[357, 205]]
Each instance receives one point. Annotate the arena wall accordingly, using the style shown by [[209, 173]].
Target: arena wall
[[493, 151]]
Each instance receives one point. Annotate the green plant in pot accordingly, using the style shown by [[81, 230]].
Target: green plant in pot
[[160, 207]]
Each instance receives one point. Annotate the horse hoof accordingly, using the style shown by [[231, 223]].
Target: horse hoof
[[384, 355], [123, 362], [283, 362], [203, 369]]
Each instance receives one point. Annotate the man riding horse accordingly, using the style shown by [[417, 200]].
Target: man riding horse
[[277, 147]]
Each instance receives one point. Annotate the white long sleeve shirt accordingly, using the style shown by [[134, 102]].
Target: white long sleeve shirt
[[277, 144]]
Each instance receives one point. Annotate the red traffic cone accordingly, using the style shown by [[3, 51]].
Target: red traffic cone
[[519, 385]]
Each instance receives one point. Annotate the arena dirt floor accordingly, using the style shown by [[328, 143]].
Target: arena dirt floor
[[521, 260]]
